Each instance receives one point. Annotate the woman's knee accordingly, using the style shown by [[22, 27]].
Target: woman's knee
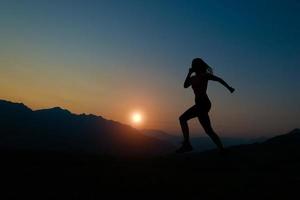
[[182, 119]]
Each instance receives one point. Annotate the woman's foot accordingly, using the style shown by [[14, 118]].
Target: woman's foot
[[186, 147]]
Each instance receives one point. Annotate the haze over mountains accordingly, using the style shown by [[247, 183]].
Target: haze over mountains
[[201, 142]]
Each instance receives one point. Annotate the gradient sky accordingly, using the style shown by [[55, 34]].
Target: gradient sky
[[113, 57]]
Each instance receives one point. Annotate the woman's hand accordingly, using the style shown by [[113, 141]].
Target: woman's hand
[[231, 89]]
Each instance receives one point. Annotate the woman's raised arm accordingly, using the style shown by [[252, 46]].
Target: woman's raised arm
[[215, 78]]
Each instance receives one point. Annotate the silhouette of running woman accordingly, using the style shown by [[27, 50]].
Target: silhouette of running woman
[[203, 73]]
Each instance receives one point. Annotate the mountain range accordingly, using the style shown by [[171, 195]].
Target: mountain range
[[57, 129]]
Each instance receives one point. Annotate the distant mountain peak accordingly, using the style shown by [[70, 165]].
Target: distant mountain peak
[[295, 131], [2, 101], [4, 104], [288, 138], [56, 110]]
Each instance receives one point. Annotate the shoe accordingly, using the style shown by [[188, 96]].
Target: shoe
[[186, 147]]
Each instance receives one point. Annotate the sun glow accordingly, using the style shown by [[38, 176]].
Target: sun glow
[[136, 118]]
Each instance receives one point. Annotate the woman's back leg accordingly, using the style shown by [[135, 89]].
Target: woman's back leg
[[206, 124]]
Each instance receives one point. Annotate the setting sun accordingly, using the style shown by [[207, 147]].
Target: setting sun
[[137, 118]]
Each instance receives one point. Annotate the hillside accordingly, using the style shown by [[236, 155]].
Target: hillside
[[262, 170]]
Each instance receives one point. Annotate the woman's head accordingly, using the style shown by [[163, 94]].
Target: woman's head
[[199, 66]]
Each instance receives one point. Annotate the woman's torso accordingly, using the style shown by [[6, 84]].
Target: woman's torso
[[199, 85]]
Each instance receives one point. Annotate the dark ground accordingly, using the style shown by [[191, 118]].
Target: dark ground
[[247, 172]]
